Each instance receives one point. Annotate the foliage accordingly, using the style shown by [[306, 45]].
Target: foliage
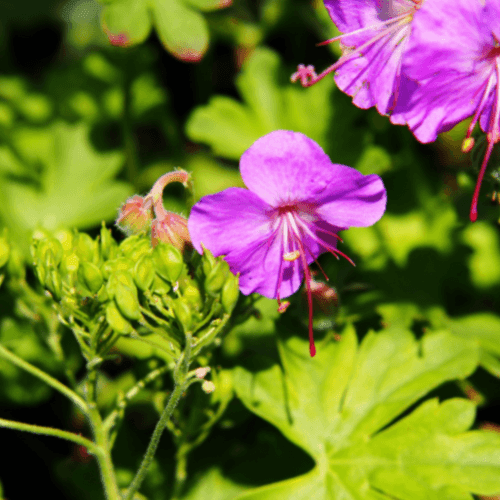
[[101, 333]]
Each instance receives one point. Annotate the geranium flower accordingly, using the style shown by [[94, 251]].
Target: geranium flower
[[454, 54], [375, 36], [296, 203]]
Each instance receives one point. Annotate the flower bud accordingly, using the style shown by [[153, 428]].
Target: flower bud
[[114, 265], [182, 313], [134, 215], [108, 244], [216, 278], [65, 237], [49, 245], [171, 228], [123, 277], [4, 251], [134, 249], [159, 286], [207, 260], [54, 283], [127, 301], [83, 246], [193, 297], [116, 320], [230, 293], [91, 276], [208, 387], [168, 262], [144, 272]]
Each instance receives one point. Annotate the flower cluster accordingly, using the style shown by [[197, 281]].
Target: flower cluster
[[296, 203], [426, 63], [139, 214]]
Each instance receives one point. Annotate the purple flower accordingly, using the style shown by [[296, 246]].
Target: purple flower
[[454, 54], [296, 202], [375, 36]]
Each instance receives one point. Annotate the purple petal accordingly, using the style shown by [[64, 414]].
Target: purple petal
[[373, 79], [285, 166], [352, 199], [236, 223], [350, 15], [446, 35], [446, 56]]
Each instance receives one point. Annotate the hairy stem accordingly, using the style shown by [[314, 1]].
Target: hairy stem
[[16, 360], [181, 382]]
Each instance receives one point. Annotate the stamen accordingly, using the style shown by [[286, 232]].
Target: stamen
[[366, 28], [492, 137], [468, 142], [283, 306], [307, 74]]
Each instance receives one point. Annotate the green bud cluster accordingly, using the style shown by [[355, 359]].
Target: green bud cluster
[[131, 288]]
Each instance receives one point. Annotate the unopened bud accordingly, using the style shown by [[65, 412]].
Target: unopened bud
[[116, 320], [117, 278], [216, 278], [108, 244], [65, 237], [201, 372], [208, 387], [127, 301], [207, 260], [160, 286], [49, 245], [182, 313], [168, 262], [171, 228], [193, 297], [144, 272], [134, 215], [54, 283], [114, 265], [230, 293], [84, 247], [91, 276]]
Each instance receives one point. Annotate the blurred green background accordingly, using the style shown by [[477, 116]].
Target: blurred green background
[[97, 100]]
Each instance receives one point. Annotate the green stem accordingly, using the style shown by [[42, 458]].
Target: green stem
[[100, 433], [181, 382], [50, 431], [16, 360]]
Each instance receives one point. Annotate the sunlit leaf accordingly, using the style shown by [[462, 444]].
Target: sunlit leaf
[[341, 406], [179, 23], [74, 186]]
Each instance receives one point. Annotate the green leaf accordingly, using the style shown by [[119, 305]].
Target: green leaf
[[484, 328], [340, 407], [180, 26], [230, 127], [73, 189]]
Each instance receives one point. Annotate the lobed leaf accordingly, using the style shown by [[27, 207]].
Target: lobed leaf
[[341, 407]]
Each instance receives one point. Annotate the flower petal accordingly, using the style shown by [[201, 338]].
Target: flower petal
[[236, 223], [352, 199], [285, 166]]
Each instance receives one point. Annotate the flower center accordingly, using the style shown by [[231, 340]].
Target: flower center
[[300, 233]]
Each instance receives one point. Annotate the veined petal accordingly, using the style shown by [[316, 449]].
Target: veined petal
[[373, 78], [285, 166], [236, 223], [447, 35], [352, 199], [351, 15]]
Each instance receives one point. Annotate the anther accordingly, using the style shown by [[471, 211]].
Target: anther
[[291, 256]]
